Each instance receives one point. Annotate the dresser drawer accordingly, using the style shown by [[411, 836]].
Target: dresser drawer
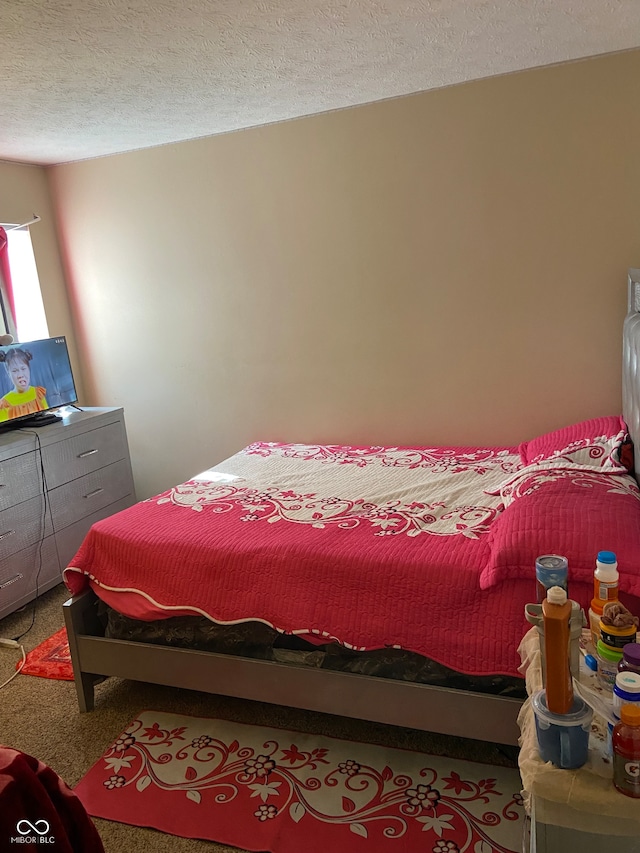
[[81, 454], [23, 524], [14, 584], [26, 571], [20, 479], [70, 539], [88, 494], [50, 569]]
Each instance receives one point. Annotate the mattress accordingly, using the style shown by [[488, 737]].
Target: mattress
[[257, 641], [427, 550]]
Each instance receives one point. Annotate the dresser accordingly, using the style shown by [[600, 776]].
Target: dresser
[[55, 482]]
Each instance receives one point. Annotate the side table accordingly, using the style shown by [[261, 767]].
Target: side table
[[571, 809]]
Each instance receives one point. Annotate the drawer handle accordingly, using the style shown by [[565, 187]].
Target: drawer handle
[[10, 581], [94, 492], [8, 533], [86, 453]]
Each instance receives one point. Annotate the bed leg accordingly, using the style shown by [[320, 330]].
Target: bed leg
[[80, 618], [84, 690]]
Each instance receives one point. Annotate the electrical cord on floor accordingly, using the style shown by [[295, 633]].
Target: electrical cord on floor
[[13, 644], [45, 499]]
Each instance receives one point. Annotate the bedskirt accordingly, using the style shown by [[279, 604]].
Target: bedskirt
[[259, 641]]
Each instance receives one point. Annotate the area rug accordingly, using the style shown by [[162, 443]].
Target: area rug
[[51, 659], [267, 789]]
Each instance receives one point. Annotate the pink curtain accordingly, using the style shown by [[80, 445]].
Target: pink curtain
[[5, 272]]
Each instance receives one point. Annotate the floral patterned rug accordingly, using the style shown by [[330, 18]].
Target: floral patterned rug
[[267, 789]]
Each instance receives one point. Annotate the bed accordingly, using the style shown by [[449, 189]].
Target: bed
[[381, 583]]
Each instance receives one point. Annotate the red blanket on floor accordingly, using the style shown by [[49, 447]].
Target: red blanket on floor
[[37, 807]]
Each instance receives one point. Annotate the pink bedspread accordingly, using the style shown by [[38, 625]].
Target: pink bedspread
[[373, 547]]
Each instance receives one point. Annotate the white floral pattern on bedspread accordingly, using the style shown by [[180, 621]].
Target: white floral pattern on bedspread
[[533, 477], [443, 491], [341, 543]]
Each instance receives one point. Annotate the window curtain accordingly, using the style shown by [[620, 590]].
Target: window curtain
[[6, 287]]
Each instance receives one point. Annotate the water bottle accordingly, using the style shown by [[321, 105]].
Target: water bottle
[[556, 615], [551, 570], [533, 615]]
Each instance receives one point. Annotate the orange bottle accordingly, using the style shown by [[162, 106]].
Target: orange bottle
[[595, 615], [556, 617]]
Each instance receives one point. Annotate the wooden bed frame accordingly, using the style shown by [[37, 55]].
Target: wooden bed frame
[[418, 706]]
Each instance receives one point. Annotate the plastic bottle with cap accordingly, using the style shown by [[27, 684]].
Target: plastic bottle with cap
[[608, 660], [605, 588], [551, 570], [625, 741], [617, 637], [595, 615], [606, 577], [626, 690], [630, 658], [556, 614]]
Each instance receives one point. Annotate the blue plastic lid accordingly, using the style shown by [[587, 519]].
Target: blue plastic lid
[[606, 557], [591, 662]]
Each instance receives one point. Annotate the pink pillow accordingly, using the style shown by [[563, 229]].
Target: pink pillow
[[594, 443], [574, 513]]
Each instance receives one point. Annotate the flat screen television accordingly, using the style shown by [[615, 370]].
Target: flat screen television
[[35, 378]]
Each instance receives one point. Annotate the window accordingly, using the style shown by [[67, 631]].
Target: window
[[30, 319]]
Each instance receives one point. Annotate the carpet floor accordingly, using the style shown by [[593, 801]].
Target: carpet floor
[[40, 717]]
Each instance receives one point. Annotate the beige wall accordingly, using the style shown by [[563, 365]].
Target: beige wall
[[448, 267], [24, 190]]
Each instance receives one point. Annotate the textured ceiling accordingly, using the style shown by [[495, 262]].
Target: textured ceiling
[[86, 78]]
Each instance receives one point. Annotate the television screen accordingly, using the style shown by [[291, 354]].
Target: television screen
[[34, 378]]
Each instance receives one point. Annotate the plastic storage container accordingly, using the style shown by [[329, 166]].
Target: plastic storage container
[[626, 690], [617, 638], [563, 739], [608, 660], [606, 577], [630, 658], [551, 570], [556, 618], [625, 742]]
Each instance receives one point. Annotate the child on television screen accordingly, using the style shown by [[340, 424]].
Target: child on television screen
[[25, 398]]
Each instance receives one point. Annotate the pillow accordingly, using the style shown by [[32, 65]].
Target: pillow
[[595, 443], [569, 512]]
